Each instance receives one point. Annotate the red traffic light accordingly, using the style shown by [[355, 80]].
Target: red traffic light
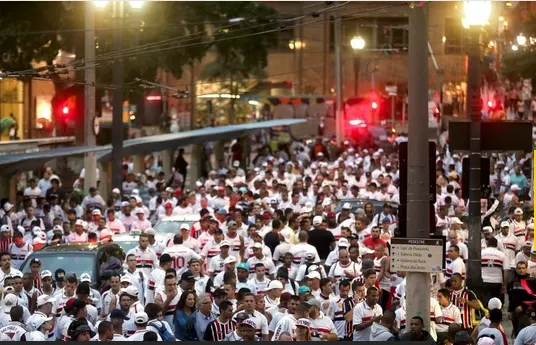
[[154, 98], [374, 105], [65, 110]]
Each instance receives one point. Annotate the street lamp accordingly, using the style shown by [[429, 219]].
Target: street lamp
[[476, 16], [357, 43], [521, 40]]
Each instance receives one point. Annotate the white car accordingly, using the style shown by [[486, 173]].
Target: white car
[[165, 229]]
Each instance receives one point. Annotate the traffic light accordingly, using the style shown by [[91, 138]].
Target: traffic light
[[374, 105], [65, 110]]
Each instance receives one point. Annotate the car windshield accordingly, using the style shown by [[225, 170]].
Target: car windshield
[[71, 262], [377, 131], [170, 227], [127, 245]]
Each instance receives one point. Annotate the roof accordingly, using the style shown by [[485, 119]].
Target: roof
[[12, 163], [163, 142], [72, 247]]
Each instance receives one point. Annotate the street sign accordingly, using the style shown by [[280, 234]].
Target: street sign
[[391, 90], [417, 255]]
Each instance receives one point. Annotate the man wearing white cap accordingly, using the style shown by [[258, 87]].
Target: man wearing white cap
[[40, 326], [524, 253], [140, 223], [141, 320], [518, 227], [509, 242], [113, 223], [273, 295], [79, 235], [229, 266], [260, 258]]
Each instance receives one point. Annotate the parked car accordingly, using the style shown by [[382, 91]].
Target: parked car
[[360, 203], [168, 227], [77, 258]]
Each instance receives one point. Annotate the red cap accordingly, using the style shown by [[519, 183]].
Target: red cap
[[69, 304], [178, 192], [168, 205], [266, 215], [331, 214]]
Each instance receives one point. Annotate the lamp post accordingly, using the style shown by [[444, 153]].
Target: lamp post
[[357, 43], [118, 15], [476, 16], [521, 40]]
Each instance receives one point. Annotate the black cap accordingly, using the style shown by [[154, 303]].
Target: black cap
[[165, 258], [83, 288], [118, 314], [219, 232], [35, 261], [59, 274], [188, 275], [78, 327]]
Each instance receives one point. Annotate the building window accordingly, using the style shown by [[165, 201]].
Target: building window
[[453, 41]]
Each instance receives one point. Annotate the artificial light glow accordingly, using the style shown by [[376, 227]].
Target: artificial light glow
[[444, 39], [374, 105], [357, 43], [216, 95], [356, 122], [253, 102], [65, 110], [501, 19], [228, 95], [133, 117], [521, 40], [476, 13], [296, 45], [236, 20], [100, 4], [515, 48], [491, 44], [154, 98], [490, 104], [136, 4]]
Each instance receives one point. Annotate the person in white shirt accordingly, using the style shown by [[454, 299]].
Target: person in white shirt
[[495, 271], [32, 192], [181, 255], [456, 263], [365, 314], [323, 328]]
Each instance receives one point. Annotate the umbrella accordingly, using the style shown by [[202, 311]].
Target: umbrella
[[6, 123]]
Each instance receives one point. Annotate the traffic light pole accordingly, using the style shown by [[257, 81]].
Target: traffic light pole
[[418, 194], [474, 271], [117, 116], [90, 162], [338, 77]]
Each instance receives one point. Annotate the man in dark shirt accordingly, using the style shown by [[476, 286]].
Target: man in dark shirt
[[272, 239], [319, 237]]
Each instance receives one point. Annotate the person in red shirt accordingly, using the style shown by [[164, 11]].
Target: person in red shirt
[[372, 241]]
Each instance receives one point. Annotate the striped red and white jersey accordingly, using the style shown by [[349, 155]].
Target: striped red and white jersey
[[156, 279], [170, 312], [465, 309], [364, 313], [455, 266], [260, 286], [19, 254], [510, 246], [261, 323], [494, 262], [181, 257], [348, 306], [451, 314], [337, 316], [322, 325], [400, 319], [107, 299], [217, 330], [146, 260], [209, 251]]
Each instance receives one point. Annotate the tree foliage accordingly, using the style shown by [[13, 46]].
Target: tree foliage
[[520, 64]]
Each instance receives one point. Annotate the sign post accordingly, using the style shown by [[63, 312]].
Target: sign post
[[417, 255]]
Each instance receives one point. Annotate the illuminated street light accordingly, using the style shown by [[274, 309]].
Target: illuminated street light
[[357, 43], [136, 4], [521, 40], [514, 48], [296, 45], [476, 13], [101, 4]]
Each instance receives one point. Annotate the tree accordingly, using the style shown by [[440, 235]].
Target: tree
[[519, 64], [240, 50]]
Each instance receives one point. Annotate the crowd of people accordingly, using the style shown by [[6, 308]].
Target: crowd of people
[[280, 253]]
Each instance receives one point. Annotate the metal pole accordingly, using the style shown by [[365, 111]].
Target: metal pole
[[300, 59], [338, 78], [357, 67], [326, 55], [418, 284], [90, 161], [117, 117], [393, 111], [474, 272]]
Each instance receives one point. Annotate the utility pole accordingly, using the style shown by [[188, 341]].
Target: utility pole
[[326, 55], [90, 161], [474, 268], [338, 78], [300, 58], [418, 224], [118, 78]]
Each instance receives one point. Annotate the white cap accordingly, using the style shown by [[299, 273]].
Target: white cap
[[456, 220], [257, 245], [138, 210], [116, 191], [85, 277], [44, 299], [141, 318], [150, 231], [304, 323], [224, 243], [79, 222], [518, 211], [317, 220], [184, 226], [494, 303], [229, 260], [10, 301], [131, 290], [46, 273], [135, 192], [347, 206], [274, 284], [5, 228], [8, 206], [343, 242], [37, 320], [514, 188], [487, 229], [236, 164], [126, 279], [313, 275], [36, 230], [96, 212], [505, 224]]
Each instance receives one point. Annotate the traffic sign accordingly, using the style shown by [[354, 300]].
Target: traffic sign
[[421, 255]]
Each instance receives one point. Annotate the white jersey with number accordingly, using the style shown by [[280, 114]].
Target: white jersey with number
[[13, 331], [181, 256], [19, 254], [494, 262]]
